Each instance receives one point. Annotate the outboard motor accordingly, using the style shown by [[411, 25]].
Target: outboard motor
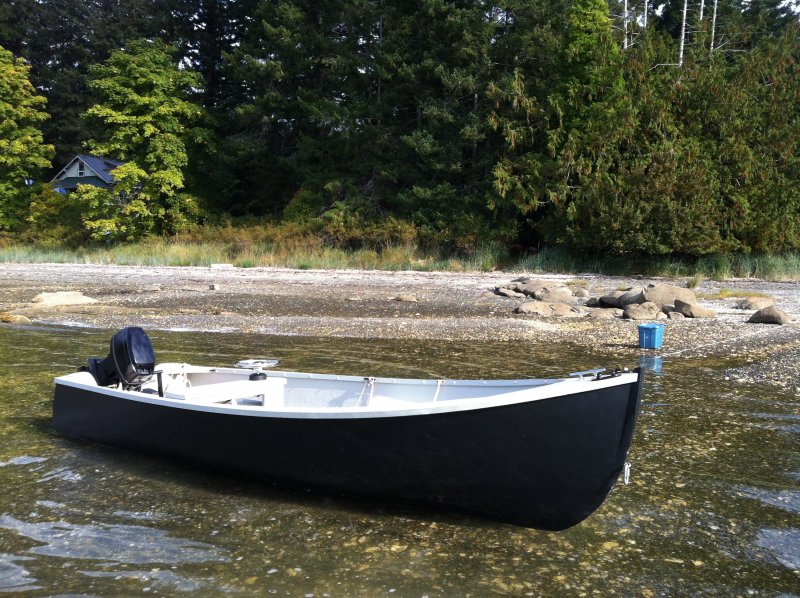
[[130, 361]]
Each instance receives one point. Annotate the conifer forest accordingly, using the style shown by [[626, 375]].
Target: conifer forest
[[619, 126]]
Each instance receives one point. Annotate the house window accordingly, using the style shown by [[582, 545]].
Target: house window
[[80, 169]]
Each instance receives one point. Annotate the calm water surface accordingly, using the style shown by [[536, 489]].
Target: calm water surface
[[713, 507]]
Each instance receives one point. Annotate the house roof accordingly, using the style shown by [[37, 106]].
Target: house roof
[[102, 167]]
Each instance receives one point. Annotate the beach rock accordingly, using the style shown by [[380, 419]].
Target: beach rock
[[6, 318], [635, 295], [561, 310], [534, 307], [754, 303], [593, 302], [644, 311], [604, 313], [406, 298], [531, 286], [770, 315], [554, 294], [667, 294], [59, 298], [554, 310], [674, 315], [580, 293], [612, 299], [692, 310], [506, 292]]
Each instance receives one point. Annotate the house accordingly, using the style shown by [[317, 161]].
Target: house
[[85, 170]]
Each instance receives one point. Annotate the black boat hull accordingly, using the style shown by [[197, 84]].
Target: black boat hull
[[546, 464]]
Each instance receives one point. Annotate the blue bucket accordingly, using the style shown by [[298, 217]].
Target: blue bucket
[[651, 336]]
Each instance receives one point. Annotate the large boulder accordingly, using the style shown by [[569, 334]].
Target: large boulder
[[754, 303], [534, 307], [667, 294], [561, 310], [644, 311], [693, 310], [612, 298], [531, 286], [526, 287], [770, 315], [580, 293], [541, 308], [554, 294], [634, 295]]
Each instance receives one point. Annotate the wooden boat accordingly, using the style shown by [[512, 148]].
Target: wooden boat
[[540, 453]]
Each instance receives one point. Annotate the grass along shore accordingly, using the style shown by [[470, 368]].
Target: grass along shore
[[317, 255]]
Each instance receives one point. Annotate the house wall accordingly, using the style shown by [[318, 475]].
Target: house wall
[[71, 182], [72, 171]]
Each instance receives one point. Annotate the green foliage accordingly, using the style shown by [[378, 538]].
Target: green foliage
[[149, 121], [55, 220], [23, 154], [436, 123]]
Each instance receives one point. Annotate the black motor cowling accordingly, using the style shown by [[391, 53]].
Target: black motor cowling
[[130, 361]]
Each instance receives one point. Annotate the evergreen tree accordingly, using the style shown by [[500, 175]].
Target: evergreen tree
[[14, 24]]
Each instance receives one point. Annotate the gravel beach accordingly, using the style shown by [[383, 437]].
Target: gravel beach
[[364, 304]]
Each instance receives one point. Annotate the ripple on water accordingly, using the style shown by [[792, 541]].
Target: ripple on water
[[22, 460], [129, 544], [788, 500], [13, 577], [162, 580], [783, 545]]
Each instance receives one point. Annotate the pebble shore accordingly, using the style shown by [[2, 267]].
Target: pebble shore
[[403, 305]]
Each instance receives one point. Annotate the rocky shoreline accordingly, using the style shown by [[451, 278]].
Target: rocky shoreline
[[407, 305]]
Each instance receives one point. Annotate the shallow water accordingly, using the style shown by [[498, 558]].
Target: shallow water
[[713, 506]]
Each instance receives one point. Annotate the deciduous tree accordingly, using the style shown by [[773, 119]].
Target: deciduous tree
[[149, 121], [23, 153]]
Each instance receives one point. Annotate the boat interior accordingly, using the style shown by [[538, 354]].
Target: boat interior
[[303, 390], [131, 367]]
